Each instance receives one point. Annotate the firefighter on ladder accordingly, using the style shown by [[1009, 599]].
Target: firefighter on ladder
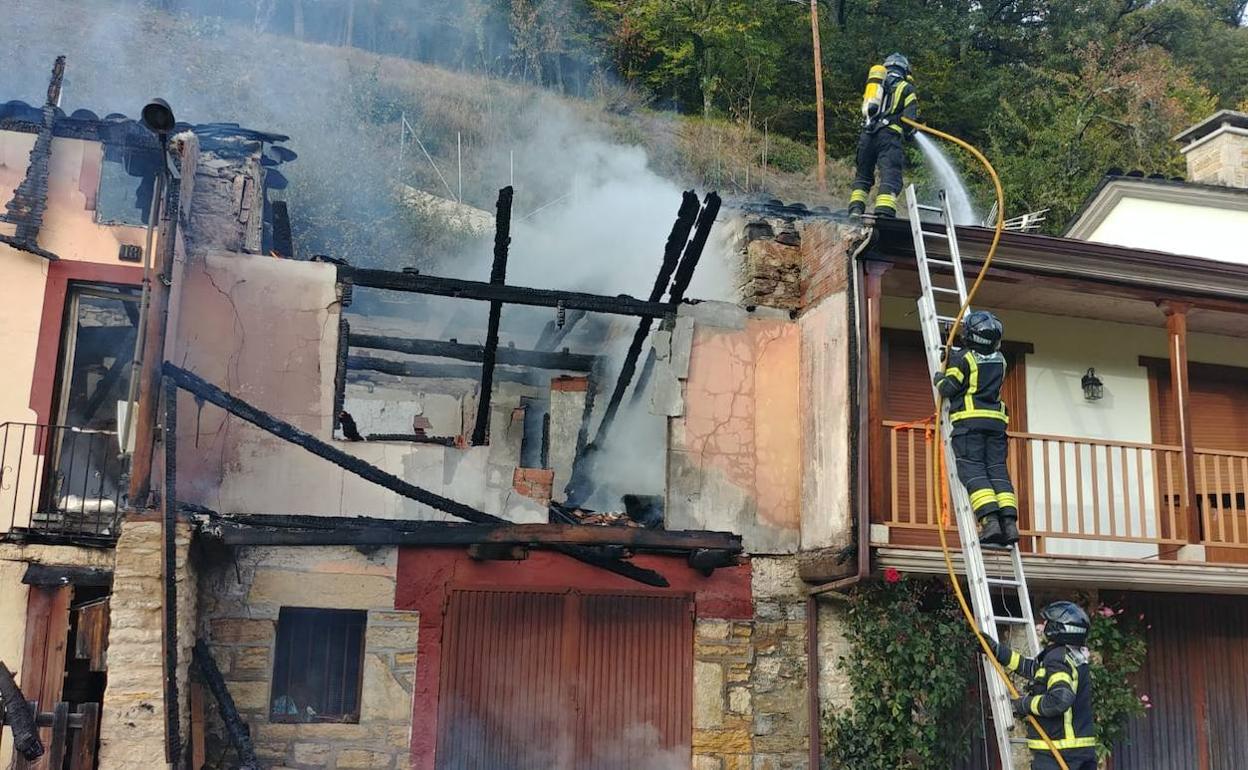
[[1059, 691], [972, 385], [888, 98]]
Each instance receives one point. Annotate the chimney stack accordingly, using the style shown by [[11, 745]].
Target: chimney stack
[[1217, 149]]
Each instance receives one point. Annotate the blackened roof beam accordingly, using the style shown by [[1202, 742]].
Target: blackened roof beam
[[538, 359], [510, 295]]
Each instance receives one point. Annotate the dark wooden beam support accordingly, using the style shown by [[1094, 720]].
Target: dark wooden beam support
[[538, 359], [260, 529], [283, 430], [431, 371], [677, 241], [496, 552], [235, 727], [56, 575], [512, 295], [498, 277], [1176, 332], [169, 562]]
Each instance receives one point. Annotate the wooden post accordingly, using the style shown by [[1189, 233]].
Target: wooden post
[[1176, 330], [822, 172], [873, 295]]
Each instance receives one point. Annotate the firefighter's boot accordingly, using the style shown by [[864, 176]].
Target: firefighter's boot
[[991, 532], [1009, 528], [857, 209]]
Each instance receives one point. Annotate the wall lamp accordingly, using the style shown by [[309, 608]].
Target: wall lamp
[[1093, 388]]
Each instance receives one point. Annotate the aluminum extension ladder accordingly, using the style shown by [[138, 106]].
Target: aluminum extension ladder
[[943, 282]]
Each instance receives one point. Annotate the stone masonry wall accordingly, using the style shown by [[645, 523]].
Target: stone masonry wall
[[750, 710], [241, 604], [132, 729]]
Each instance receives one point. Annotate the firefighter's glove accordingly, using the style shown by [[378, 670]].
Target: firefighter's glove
[[937, 377], [1019, 706]]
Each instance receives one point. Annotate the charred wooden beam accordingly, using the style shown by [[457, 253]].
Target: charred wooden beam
[[555, 331], [283, 430], [25, 209], [498, 277], [510, 295], [424, 370], [498, 552], [235, 727], [538, 359], [340, 370], [169, 523], [707, 560], [19, 716], [56, 575], [677, 240], [260, 529]]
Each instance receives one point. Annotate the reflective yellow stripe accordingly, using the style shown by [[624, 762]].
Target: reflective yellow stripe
[[898, 128], [886, 199], [1007, 499], [1066, 743], [982, 497], [968, 401], [955, 373], [911, 99], [991, 414], [1034, 705], [1016, 660], [1060, 677], [897, 94], [1068, 719], [1039, 673], [858, 196]]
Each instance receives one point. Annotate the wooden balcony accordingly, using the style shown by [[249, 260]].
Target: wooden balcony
[[1084, 497]]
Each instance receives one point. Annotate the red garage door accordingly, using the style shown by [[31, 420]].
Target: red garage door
[[565, 680]]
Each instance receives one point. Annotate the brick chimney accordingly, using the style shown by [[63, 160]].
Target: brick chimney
[[1217, 149]]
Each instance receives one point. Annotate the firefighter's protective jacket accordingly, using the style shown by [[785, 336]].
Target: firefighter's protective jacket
[[889, 97], [1059, 695], [972, 386]]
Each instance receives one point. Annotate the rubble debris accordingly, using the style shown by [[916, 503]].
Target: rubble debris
[[19, 716]]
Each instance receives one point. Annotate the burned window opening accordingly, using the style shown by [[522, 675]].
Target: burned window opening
[[127, 183], [535, 441], [318, 665]]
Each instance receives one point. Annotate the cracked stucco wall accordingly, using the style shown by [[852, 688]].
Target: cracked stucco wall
[[735, 433], [266, 330]]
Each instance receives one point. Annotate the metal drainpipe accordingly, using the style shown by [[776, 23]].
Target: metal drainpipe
[[136, 361], [814, 717]]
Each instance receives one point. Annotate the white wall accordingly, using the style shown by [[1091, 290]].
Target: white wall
[[1064, 350], [1199, 231]]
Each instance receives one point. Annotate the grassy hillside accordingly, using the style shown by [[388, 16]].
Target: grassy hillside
[[343, 109]]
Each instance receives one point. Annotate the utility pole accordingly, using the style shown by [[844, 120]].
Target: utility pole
[[822, 173]]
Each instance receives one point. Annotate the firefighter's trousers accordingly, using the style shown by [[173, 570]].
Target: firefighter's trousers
[[882, 146], [981, 457]]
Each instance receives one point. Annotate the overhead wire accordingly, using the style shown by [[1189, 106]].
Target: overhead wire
[[940, 458]]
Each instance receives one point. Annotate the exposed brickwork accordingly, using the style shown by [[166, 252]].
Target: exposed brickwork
[[570, 384], [535, 483], [826, 252], [772, 268]]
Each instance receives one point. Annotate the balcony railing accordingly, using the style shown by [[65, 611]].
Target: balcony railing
[[1076, 489], [60, 481]]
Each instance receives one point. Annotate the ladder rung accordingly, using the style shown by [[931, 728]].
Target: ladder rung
[[943, 290], [925, 207], [1011, 582], [1007, 620], [930, 234], [946, 318]]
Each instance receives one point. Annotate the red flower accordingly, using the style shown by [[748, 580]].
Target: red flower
[[891, 575]]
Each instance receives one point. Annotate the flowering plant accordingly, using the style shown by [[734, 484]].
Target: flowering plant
[[1118, 651]]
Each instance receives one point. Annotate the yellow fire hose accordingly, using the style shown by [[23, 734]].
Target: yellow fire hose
[[940, 459]]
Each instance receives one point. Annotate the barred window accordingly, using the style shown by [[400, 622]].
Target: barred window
[[318, 665]]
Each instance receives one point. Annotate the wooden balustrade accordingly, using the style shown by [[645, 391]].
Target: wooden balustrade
[[1080, 489]]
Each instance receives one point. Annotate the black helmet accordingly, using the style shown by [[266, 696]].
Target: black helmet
[[896, 61], [1066, 623], [982, 332]]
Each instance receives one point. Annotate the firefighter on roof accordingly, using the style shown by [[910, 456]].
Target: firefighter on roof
[[889, 97], [1059, 691], [972, 386]]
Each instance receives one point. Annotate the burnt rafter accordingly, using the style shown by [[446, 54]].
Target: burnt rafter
[[283, 430], [432, 371], [235, 727], [25, 209], [260, 529], [538, 359], [498, 277], [511, 295]]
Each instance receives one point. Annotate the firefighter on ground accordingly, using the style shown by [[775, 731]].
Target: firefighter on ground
[[972, 386], [889, 96], [1059, 689]]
